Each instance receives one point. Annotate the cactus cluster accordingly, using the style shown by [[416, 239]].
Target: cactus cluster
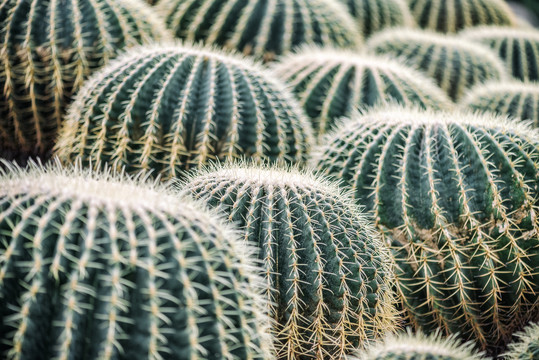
[[455, 64], [93, 266], [452, 16], [332, 83], [327, 272], [527, 348], [456, 196], [47, 50], [169, 109], [263, 29]]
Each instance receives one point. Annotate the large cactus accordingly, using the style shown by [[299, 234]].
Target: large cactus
[[93, 266], [264, 29], [47, 49], [331, 84], [527, 348], [455, 64], [452, 16], [172, 108], [327, 272], [456, 195]]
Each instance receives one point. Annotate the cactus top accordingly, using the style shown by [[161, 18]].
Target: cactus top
[[527, 345]]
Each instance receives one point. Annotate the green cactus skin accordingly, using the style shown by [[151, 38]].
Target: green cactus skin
[[263, 29], [47, 50], [455, 64], [513, 99], [375, 15], [171, 108], [527, 348], [93, 266], [456, 196], [332, 83], [327, 271], [408, 346], [452, 16], [518, 48]]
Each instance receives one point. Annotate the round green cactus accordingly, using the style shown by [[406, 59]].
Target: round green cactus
[[513, 99], [452, 16], [263, 29], [327, 272], [456, 196], [455, 64], [527, 348], [331, 84], [170, 108], [518, 48], [47, 50], [98, 267], [375, 15]]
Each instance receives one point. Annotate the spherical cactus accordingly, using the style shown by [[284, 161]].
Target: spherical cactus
[[456, 195], [330, 84], [96, 267], [453, 16], [518, 48], [47, 50], [513, 99], [263, 29], [169, 109], [455, 64], [527, 348], [375, 15], [327, 272]]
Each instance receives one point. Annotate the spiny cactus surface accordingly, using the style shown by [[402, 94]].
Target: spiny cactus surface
[[527, 346], [518, 48], [332, 83], [455, 64], [456, 195], [264, 29], [452, 16], [47, 50], [171, 108], [327, 272]]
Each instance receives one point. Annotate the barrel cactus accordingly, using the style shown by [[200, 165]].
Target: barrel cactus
[[93, 266], [263, 29], [169, 109], [453, 16], [518, 48], [47, 49], [455, 64], [456, 196], [527, 348], [327, 272], [332, 83]]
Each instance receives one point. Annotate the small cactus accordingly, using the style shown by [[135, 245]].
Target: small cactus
[[170, 108], [93, 266], [331, 84], [47, 50], [527, 348], [456, 195], [327, 272], [263, 29], [452, 16], [455, 64], [518, 48]]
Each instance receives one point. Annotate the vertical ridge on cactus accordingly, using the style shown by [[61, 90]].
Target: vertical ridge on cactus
[[327, 272], [264, 29], [455, 64], [93, 265], [47, 50], [527, 346], [171, 108], [456, 195]]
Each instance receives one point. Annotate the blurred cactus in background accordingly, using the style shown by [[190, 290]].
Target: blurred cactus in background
[[527, 346]]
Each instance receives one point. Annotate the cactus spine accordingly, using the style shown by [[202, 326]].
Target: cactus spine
[[95, 266], [455, 65], [456, 197], [47, 50], [327, 272], [170, 109], [264, 29], [330, 84], [527, 348]]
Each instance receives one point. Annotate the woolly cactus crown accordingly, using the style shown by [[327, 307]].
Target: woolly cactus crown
[[527, 346]]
